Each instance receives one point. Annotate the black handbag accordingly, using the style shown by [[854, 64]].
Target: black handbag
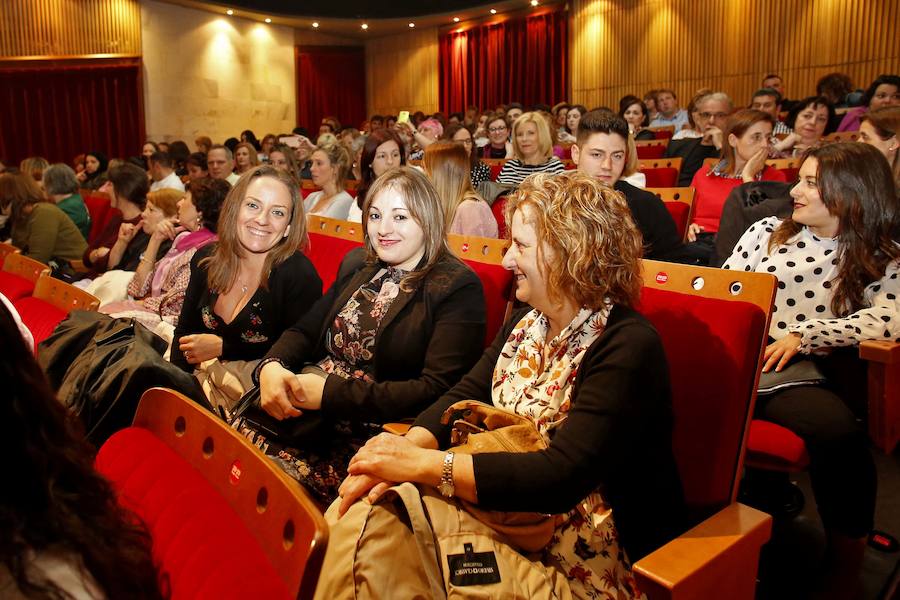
[[308, 430], [796, 373]]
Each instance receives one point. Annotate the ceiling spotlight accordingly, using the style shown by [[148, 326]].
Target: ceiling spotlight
[[229, 12], [534, 2], [316, 25], [493, 11], [456, 19], [268, 20], [365, 25], [411, 25]]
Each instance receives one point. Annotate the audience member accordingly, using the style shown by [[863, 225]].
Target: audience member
[[532, 148], [514, 110], [65, 535], [775, 82], [248, 137], [573, 116], [668, 111], [179, 153], [635, 114], [650, 103], [428, 132], [220, 162], [807, 121], [376, 122], [884, 91], [497, 130], [196, 166], [61, 187], [576, 257], [881, 128], [247, 288], [692, 129], [745, 149], [560, 112], [163, 147], [245, 158], [282, 158], [402, 323], [34, 167], [478, 171], [448, 165], [158, 286], [38, 228], [330, 168], [269, 141], [94, 174], [712, 112], [601, 151], [768, 100], [837, 265], [382, 151], [203, 143], [147, 151], [329, 125], [162, 173], [835, 87]]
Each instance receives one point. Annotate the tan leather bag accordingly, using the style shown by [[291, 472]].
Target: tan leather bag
[[480, 428]]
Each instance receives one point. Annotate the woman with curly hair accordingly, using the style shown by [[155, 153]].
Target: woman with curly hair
[[597, 391], [64, 535]]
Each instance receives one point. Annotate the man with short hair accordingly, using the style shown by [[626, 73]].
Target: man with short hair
[[376, 123], [768, 100], [601, 151], [668, 112], [162, 172], [775, 82], [514, 110], [220, 162], [712, 113]]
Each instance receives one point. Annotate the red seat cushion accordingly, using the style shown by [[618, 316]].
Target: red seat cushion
[[769, 443], [661, 176], [495, 171], [712, 347], [651, 151], [326, 254], [496, 282], [679, 212], [14, 286], [202, 545], [101, 213], [40, 317], [663, 134], [498, 208]]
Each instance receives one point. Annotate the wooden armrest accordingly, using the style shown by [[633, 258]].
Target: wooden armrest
[[718, 558], [884, 392], [398, 428]]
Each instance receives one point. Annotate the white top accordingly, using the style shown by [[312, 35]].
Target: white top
[[170, 181], [514, 171], [685, 134], [637, 179], [232, 178], [806, 267], [338, 208], [355, 213]]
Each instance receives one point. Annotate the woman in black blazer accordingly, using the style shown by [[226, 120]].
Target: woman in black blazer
[[402, 324]]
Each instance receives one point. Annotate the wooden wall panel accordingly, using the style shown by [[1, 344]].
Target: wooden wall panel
[[620, 47], [402, 72], [67, 28]]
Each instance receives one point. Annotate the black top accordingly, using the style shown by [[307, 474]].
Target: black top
[[653, 219], [617, 437], [744, 206], [429, 338], [294, 286], [692, 153], [645, 134]]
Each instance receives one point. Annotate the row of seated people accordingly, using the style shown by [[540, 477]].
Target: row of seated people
[[399, 332]]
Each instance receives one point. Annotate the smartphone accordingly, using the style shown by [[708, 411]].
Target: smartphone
[[403, 117], [291, 141]]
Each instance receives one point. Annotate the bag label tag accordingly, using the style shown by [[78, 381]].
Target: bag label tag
[[473, 568]]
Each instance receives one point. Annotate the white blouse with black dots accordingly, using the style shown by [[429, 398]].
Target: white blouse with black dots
[[806, 267]]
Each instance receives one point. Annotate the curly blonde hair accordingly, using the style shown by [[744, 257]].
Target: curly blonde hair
[[596, 246]]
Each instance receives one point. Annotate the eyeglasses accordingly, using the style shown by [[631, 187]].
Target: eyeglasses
[[706, 115], [497, 129], [467, 141]]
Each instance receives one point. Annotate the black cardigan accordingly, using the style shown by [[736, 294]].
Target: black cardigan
[[653, 219], [692, 153], [294, 286], [617, 437], [430, 337]]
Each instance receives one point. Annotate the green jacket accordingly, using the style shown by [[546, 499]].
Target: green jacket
[[77, 211], [49, 233]]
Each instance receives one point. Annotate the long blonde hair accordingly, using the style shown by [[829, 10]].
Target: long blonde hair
[[447, 165], [224, 263]]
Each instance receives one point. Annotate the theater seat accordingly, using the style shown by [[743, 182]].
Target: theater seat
[[771, 446], [50, 303], [101, 212], [484, 256], [329, 242], [660, 172], [498, 208], [19, 276]]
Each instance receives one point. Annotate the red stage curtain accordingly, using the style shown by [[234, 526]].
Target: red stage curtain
[[522, 60], [58, 111], [331, 81]]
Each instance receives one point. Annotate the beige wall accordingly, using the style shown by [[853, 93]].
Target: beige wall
[[619, 48], [206, 74], [402, 72]]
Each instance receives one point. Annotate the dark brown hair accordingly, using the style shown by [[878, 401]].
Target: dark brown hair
[[738, 124], [130, 182], [856, 185], [208, 195], [367, 175], [18, 191]]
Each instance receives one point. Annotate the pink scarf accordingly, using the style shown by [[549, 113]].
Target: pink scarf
[[184, 242]]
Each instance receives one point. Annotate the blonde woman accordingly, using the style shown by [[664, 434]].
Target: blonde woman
[[447, 165], [245, 158], [532, 149], [330, 168]]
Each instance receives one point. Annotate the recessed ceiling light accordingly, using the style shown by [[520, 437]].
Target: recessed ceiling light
[[229, 12], [456, 19], [316, 25], [411, 25], [493, 11], [534, 2], [365, 25]]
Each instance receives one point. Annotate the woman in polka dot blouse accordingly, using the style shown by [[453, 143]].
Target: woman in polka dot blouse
[[838, 284]]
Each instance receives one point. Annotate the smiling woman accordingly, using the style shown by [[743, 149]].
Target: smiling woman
[[401, 324], [251, 285]]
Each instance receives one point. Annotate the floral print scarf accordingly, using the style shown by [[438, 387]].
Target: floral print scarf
[[534, 377]]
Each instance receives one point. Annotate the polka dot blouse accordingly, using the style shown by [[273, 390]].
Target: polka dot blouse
[[806, 267]]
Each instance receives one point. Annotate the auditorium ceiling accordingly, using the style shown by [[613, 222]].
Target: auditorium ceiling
[[356, 9]]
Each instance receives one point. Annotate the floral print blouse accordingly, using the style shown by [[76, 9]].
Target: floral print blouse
[[350, 340]]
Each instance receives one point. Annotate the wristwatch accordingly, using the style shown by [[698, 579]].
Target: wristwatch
[[446, 487]]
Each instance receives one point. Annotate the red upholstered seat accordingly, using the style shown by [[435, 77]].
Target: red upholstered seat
[[306, 192], [495, 171], [326, 253], [15, 287], [680, 213], [40, 317], [651, 151], [661, 177], [497, 283], [721, 340], [776, 447], [791, 174], [498, 208], [202, 546], [101, 213]]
